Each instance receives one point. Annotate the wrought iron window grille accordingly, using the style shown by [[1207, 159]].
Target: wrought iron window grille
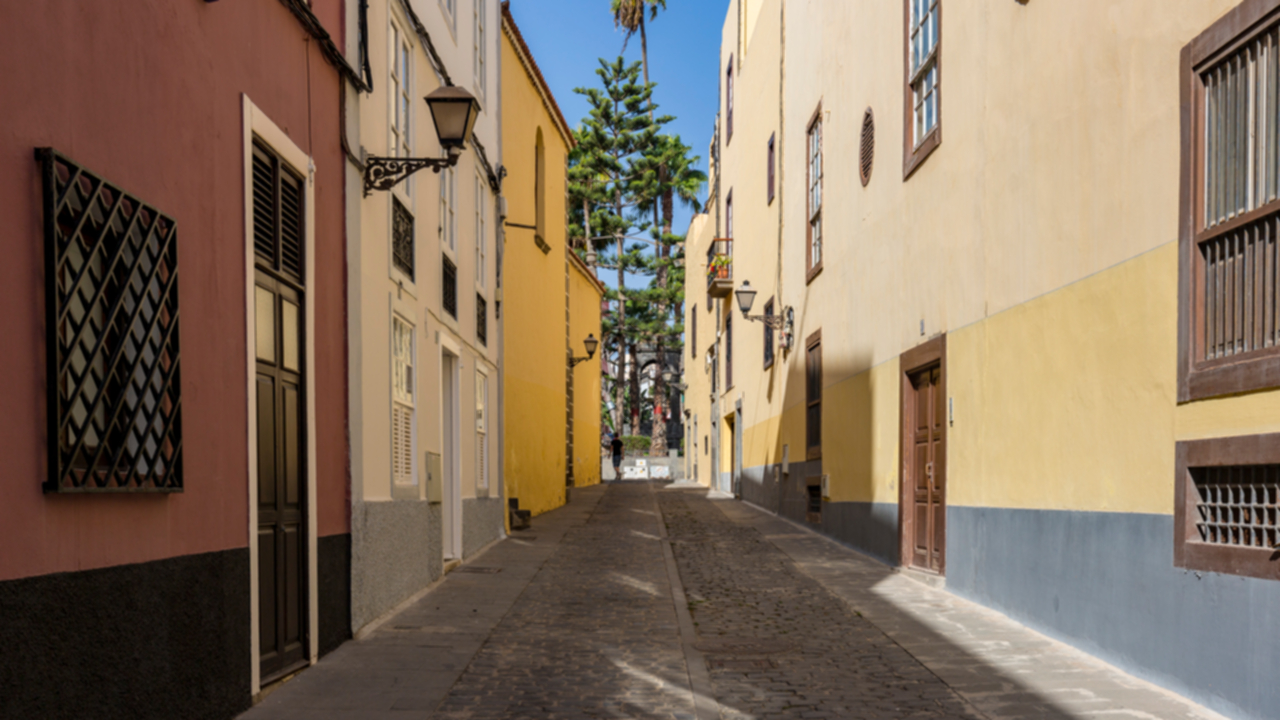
[[111, 305], [402, 253], [482, 319], [449, 287]]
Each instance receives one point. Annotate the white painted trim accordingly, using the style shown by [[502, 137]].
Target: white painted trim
[[451, 512], [409, 315], [255, 122]]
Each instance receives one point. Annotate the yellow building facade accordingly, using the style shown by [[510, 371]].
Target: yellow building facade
[[551, 303], [1019, 360]]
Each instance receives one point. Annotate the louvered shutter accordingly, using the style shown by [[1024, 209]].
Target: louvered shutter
[[264, 206], [291, 237], [402, 443]]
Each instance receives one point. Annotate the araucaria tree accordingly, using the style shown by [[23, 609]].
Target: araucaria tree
[[607, 176]]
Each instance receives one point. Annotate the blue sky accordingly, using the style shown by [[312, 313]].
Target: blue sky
[[568, 36]]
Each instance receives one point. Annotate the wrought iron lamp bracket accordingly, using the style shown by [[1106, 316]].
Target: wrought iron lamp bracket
[[777, 322], [574, 362], [384, 173]]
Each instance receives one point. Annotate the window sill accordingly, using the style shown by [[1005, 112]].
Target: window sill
[[813, 272], [1261, 372], [914, 158], [813, 454]]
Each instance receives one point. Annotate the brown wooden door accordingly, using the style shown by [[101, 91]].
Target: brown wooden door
[[282, 530], [928, 470]]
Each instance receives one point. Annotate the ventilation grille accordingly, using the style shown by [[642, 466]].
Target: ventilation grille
[[867, 154], [1238, 505]]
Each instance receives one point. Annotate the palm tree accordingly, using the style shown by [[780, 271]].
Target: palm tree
[[629, 15]]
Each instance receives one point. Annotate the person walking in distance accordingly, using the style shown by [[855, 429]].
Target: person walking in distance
[[616, 448]]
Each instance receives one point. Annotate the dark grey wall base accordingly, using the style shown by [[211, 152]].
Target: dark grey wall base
[[396, 551], [1105, 582], [333, 561], [481, 523], [164, 639]]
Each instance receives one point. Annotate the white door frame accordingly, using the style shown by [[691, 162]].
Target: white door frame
[[255, 122], [451, 448]]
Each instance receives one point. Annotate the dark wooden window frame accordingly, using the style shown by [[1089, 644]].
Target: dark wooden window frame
[[914, 154], [1188, 551], [772, 165], [922, 356], [728, 350], [482, 319], [728, 102], [769, 355], [693, 333], [812, 269], [813, 452], [1248, 372], [449, 287]]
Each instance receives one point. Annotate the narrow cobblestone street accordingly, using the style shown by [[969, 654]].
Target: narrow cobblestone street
[[642, 602]]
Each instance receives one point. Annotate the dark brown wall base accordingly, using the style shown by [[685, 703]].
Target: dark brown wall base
[[333, 561], [164, 639]]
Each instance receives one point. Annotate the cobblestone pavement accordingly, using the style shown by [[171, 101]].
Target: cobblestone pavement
[[642, 602], [779, 645], [595, 634]]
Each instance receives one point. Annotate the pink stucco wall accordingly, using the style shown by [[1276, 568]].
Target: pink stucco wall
[[147, 93]]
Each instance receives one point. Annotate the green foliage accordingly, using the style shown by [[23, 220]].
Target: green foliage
[[632, 444]]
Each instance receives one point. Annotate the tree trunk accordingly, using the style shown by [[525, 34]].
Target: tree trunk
[[620, 371], [658, 443], [635, 391]]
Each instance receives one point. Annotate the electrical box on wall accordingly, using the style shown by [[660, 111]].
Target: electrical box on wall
[[435, 478]]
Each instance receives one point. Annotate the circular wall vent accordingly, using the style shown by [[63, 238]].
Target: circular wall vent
[[868, 152]]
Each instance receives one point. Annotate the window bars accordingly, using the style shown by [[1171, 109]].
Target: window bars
[[449, 287], [401, 238], [111, 304], [1238, 505]]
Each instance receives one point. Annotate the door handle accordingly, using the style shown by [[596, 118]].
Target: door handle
[[928, 470]]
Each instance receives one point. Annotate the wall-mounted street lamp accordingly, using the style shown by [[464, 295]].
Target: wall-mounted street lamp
[[746, 298], [591, 343], [454, 112]]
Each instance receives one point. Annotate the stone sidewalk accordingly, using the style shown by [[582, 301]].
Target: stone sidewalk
[[641, 602]]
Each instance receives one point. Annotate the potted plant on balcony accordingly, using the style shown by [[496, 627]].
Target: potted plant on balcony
[[719, 267]]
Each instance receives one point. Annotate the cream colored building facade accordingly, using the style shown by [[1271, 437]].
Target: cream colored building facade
[[424, 306], [997, 370]]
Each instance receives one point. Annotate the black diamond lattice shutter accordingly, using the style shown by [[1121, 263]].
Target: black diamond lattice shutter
[[449, 288], [111, 305], [277, 208]]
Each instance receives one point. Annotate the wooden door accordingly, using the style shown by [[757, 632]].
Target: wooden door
[[927, 469], [282, 529]]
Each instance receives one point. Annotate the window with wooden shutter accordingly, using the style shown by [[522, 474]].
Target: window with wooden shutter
[[278, 196], [728, 101], [402, 405], [693, 333], [402, 239], [1229, 335], [768, 334], [482, 319], [728, 350], [813, 395]]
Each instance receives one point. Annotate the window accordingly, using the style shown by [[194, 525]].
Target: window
[[1227, 505], [400, 91], [728, 214], [114, 395], [449, 287], [448, 222], [402, 252], [540, 188], [813, 396], [482, 218], [1229, 239], [768, 334], [813, 253], [771, 168], [402, 405], [728, 101], [478, 39], [693, 333], [728, 350], [482, 432], [482, 319], [923, 99]]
